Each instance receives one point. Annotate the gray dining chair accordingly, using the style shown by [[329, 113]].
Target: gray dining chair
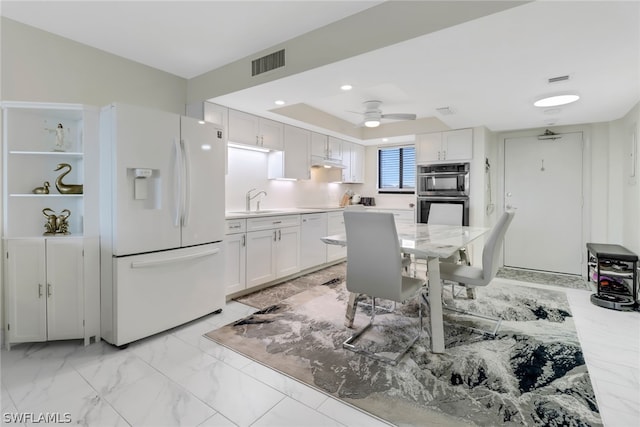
[[470, 277], [374, 268]]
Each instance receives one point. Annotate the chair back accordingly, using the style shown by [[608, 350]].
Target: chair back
[[493, 244], [445, 214], [374, 265]]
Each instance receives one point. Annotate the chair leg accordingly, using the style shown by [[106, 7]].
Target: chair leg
[[349, 343], [471, 295]]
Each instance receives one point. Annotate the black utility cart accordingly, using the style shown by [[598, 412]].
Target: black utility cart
[[614, 269]]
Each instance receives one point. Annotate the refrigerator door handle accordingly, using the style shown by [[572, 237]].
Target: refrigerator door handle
[[186, 202], [177, 183], [183, 258]]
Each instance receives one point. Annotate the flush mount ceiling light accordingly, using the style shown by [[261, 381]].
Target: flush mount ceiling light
[[346, 87], [556, 100], [279, 102], [373, 123]]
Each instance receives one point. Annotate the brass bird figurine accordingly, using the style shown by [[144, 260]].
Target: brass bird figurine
[[42, 190], [67, 188]]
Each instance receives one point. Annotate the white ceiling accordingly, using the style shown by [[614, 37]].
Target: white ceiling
[[488, 71]]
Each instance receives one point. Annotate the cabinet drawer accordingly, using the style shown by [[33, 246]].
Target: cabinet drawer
[[271, 222], [233, 226]]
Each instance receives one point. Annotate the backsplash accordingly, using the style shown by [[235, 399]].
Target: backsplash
[[248, 169]]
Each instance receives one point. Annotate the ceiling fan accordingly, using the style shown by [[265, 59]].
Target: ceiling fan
[[373, 115]]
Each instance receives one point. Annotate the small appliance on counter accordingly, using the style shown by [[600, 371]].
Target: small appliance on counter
[[368, 201]]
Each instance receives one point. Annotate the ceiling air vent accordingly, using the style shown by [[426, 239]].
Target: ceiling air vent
[[267, 63], [558, 79]]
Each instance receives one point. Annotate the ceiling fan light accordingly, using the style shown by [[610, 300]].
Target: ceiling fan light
[[556, 100], [372, 123]]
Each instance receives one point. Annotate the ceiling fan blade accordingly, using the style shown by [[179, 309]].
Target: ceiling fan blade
[[399, 116]]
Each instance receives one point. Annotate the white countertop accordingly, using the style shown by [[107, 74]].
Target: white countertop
[[281, 211]]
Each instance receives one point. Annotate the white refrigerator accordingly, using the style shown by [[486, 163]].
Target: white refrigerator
[[162, 221]]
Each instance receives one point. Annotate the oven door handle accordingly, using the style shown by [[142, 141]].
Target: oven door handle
[[444, 198], [436, 174]]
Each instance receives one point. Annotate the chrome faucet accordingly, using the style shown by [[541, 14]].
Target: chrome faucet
[[249, 197]]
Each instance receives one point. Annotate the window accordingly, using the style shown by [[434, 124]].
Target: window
[[397, 170]]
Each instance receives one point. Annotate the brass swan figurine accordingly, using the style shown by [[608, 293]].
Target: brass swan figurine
[[67, 188]]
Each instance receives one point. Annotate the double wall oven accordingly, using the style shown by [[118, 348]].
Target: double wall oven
[[442, 184]]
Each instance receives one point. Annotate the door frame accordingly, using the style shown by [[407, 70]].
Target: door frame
[[586, 176]]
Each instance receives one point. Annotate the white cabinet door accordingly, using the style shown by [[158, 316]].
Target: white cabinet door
[[243, 128], [271, 134], [346, 161], [261, 257], [26, 300], [334, 148], [235, 262], [295, 161], [65, 291], [288, 251], [297, 157], [458, 144], [428, 147], [319, 144], [357, 163]]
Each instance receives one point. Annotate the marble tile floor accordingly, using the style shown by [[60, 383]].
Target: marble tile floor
[[181, 378]]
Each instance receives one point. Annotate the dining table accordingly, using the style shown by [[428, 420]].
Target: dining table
[[432, 242]]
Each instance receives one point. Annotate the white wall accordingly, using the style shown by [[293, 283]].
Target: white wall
[[248, 169], [41, 67]]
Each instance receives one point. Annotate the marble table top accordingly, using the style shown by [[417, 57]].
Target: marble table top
[[426, 240]]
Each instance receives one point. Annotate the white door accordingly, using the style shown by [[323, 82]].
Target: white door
[[203, 215], [288, 251], [261, 257], [26, 290], [543, 182], [271, 134], [65, 290], [144, 139], [235, 246]]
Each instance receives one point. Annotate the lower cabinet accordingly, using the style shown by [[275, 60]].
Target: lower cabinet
[[272, 254], [235, 264], [44, 289], [260, 250]]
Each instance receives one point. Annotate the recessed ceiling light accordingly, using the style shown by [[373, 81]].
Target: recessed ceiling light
[[555, 100], [346, 87], [385, 139], [279, 102]]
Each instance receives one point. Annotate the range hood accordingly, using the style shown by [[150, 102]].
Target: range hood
[[317, 161]]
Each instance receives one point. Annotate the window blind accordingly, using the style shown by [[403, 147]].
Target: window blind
[[397, 169]]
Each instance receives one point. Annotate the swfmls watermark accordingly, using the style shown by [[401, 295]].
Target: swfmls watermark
[[36, 417]]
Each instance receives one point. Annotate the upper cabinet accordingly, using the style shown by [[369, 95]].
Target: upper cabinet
[[294, 161], [51, 155], [251, 130], [353, 162], [326, 147], [444, 146]]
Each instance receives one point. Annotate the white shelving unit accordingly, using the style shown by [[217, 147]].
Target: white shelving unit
[[37, 138]]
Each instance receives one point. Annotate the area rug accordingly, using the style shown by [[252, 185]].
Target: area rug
[[532, 373], [544, 278]]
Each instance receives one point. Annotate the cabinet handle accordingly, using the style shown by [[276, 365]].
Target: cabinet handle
[[48, 289], [39, 290], [444, 154], [244, 240], [277, 222], [257, 140], [235, 226], [262, 141], [279, 234], [275, 235]]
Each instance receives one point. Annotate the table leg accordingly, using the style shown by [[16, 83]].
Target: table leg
[[435, 305], [351, 309]]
